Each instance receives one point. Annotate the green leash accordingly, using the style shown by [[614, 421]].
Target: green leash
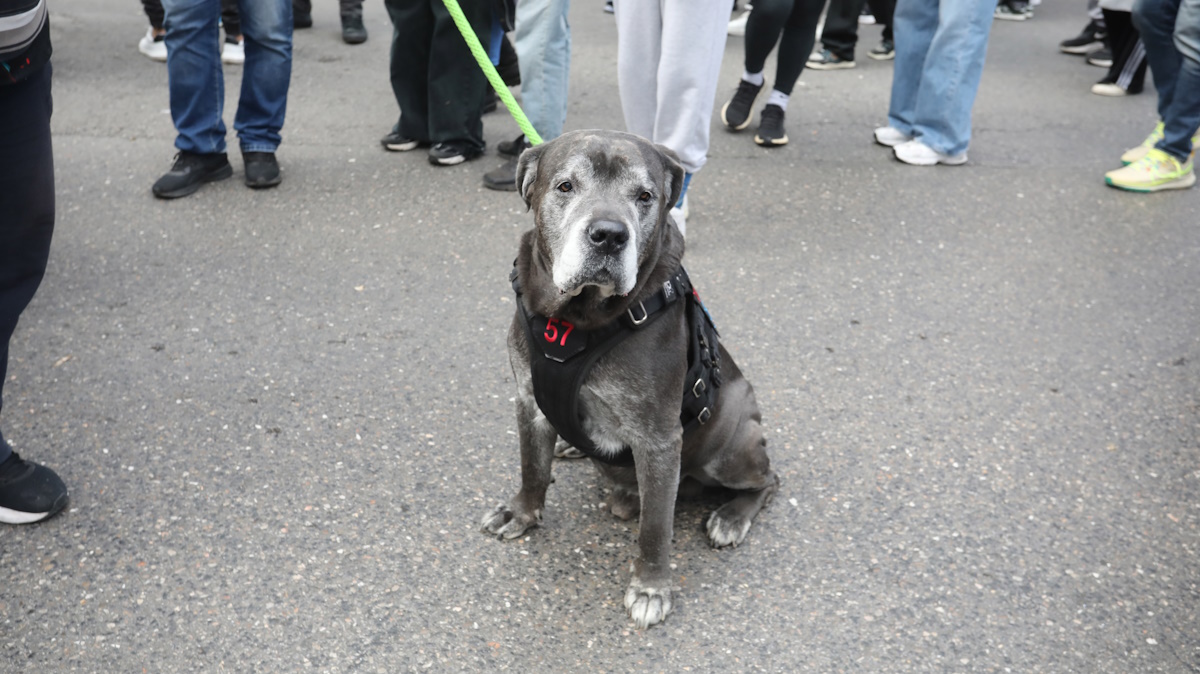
[[489, 70]]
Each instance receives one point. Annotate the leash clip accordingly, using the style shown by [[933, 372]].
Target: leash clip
[[635, 319]]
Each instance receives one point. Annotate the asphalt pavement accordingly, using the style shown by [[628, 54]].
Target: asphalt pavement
[[283, 413]]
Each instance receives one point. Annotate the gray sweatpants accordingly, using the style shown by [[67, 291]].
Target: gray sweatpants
[[668, 60]]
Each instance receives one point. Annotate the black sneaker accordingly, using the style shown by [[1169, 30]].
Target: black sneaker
[[29, 492], [261, 169], [394, 142], [190, 171], [827, 60], [502, 178], [1101, 58], [1013, 10], [453, 152], [886, 51], [301, 20], [353, 30], [512, 148], [1089, 40], [736, 112], [770, 129]]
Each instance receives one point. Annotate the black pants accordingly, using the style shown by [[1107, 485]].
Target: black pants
[[841, 24], [438, 85], [347, 7], [1128, 69], [797, 21], [229, 15], [26, 203]]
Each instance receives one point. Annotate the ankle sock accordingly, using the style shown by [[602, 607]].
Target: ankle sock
[[753, 78], [779, 98]]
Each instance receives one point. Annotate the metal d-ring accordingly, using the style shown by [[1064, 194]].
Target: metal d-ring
[[635, 319]]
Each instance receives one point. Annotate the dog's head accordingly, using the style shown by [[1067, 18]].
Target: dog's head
[[598, 199]]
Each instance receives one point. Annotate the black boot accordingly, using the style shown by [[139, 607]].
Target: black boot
[[353, 30]]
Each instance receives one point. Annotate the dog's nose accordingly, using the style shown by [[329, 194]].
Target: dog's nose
[[607, 236]]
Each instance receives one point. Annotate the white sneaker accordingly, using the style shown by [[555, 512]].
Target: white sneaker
[[680, 213], [890, 136], [1108, 89], [154, 47], [234, 53], [737, 27], [919, 154]]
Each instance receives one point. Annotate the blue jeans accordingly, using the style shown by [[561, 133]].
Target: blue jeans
[[1171, 32], [940, 47], [197, 84], [543, 44]]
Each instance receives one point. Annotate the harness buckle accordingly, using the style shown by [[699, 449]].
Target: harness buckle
[[704, 416], [699, 388], [635, 319]]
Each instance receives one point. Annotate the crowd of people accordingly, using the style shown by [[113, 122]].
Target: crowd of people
[[669, 54]]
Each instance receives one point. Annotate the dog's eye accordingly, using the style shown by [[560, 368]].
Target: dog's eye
[[565, 186], [645, 197]]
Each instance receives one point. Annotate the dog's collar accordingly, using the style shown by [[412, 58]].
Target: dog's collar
[[562, 355]]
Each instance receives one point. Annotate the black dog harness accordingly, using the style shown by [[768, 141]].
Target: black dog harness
[[561, 356]]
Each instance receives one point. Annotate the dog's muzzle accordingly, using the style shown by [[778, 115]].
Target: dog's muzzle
[[608, 237]]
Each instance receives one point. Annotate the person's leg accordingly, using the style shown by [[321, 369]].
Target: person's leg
[[267, 28], [883, 10], [411, 43], [1155, 21], [543, 43], [457, 86], [796, 43], [639, 50], [194, 78], [915, 22], [230, 18], [763, 29], [951, 76], [1122, 39], [302, 8], [840, 34], [693, 44], [26, 202], [1182, 118], [154, 12]]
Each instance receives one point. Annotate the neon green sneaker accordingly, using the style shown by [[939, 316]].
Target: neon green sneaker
[[1135, 153], [1154, 172]]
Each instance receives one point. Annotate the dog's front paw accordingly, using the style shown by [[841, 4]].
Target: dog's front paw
[[647, 605], [565, 450], [727, 526], [502, 521]]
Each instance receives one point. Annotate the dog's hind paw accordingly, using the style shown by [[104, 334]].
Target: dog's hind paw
[[726, 526], [503, 522], [647, 605], [565, 450]]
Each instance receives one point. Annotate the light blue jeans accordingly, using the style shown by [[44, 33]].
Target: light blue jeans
[[197, 85], [543, 44], [940, 47]]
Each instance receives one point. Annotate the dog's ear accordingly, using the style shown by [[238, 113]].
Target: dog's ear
[[672, 172], [527, 171]]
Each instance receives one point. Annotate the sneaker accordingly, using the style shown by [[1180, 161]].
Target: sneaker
[[1101, 58], [502, 178], [190, 171], [1133, 154], [737, 27], [919, 154], [770, 127], [29, 492], [353, 30], [1014, 10], [154, 46], [886, 51], [233, 51], [302, 20], [1154, 172], [890, 136], [514, 147], [865, 17], [827, 60], [394, 142], [1109, 89], [608, 7], [453, 152], [261, 169], [736, 111], [1088, 40]]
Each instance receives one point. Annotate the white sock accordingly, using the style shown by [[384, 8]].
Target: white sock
[[753, 78], [779, 98]]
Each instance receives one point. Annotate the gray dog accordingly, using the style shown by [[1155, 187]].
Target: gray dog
[[604, 257]]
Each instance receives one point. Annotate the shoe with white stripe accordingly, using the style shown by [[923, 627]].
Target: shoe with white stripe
[[29, 492]]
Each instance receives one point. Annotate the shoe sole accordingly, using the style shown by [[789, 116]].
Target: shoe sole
[[401, 147], [948, 161], [1082, 50], [878, 141], [9, 516], [452, 161], [1099, 64], [263, 185], [1109, 90], [882, 57], [221, 174], [1177, 184], [844, 65], [770, 143], [731, 126], [1013, 17], [153, 57]]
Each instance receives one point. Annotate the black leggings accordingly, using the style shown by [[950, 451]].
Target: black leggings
[[797, 20]]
